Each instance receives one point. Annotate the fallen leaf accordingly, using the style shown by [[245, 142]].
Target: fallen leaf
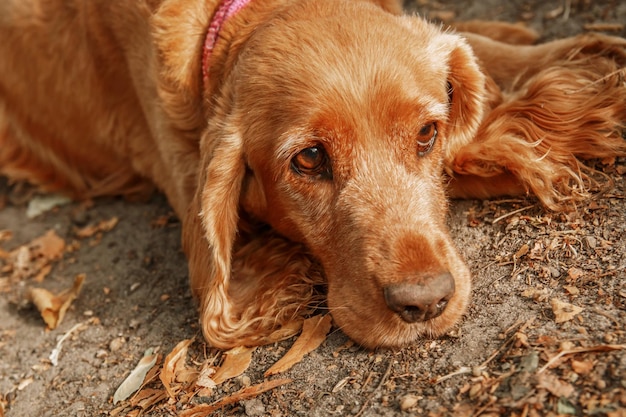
[[135, 379], [554, 385], [571, 290], [582, 367], [599, 348], [6, 234], [34, 258], [40, 204], [49, 246], [92, 229], [147, 397], [174, 364], [236, 361], [205, 380], [575, 273], [523, 250], [53, 307], [202, 410], [314, 331], [564, 311]]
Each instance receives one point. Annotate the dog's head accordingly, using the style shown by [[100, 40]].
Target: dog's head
[[333, 128]]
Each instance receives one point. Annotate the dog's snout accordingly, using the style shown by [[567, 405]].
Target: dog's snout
[[417, 302]]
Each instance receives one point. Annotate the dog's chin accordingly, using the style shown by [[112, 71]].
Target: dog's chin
[[372, 325]]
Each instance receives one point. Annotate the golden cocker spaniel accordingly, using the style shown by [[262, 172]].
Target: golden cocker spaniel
[[304, 142]]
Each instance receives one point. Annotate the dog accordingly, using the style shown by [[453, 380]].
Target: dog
[[305, 143]]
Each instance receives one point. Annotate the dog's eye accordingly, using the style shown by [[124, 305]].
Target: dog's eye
[[426, 139], [311, 161]]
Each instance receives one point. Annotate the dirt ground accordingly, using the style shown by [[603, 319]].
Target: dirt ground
[[509, 356]]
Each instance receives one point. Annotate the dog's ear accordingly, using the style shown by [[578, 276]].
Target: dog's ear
[[466, 92], [209, 233]]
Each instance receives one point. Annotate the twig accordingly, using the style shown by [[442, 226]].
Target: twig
[[202, 410], [600, 348], [380, 384], [468, 370], [512, 213], [54, 355]]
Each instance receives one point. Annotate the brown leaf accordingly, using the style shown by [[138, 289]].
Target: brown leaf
[[92, 229], [571, 290], [53, 307], [523, 250], [49, 246], [554, 385], [147, 397], [314, 331], [575, 273], [564, 311], [203, 410], [34, 258], [235, 363], [582, 367], [6, 234], [205, 380], [174, 363]]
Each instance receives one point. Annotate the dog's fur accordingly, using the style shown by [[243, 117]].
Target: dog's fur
[[107, 97]]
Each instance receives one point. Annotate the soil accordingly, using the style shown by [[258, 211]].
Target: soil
[[509, 356]]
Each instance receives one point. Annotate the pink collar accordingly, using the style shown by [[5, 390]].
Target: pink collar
[[227, 9]]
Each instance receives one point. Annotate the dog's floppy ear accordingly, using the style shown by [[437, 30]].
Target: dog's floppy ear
[[209, 233], [466, 91]]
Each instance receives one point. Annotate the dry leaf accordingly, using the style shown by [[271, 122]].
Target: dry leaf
[[523, 250], [147, 397], [314, 331], [203, 410], [571, 290], [554, 385], [284, 332], [92, 229], [575, 273], [6, 234], [174, 364], [573, 351], [582, 367], [40, 204], [49, 246], [564, 311], [135, 379], [53, 307], [205, 380], [236, 361], [43, 273], [34, 258]]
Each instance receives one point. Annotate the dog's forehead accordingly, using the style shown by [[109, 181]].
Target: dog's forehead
[[327, 76], [341, 53]]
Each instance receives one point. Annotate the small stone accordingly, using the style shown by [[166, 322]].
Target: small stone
[[254, 407], [117, 343], [102, 353], [408, 401]]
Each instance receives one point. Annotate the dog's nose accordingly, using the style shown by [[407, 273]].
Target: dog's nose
[[423, 301]]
